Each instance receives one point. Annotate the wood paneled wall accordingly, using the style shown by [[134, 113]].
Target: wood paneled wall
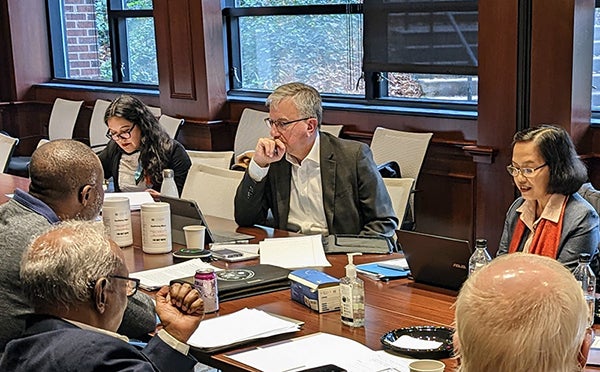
[[534, 66]]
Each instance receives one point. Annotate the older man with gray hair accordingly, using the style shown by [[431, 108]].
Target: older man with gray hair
[[77, 282], [522, 312]]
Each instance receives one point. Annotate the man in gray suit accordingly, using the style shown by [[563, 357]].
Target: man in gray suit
[[309, 181]]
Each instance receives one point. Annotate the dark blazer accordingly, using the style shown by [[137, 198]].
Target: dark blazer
[[179, 161], [52, 344], [354, 195]]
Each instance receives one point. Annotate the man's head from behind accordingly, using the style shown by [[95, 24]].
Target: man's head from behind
[[521, 312], [67, 175], [69, 272]]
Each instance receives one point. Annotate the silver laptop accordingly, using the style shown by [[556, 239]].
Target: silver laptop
[[186, 212], [435, 260]]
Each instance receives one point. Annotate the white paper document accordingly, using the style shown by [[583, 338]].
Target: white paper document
[[155, 278], [243, 325], [320, 349], [136, 199], [294, 252], [396, 264]]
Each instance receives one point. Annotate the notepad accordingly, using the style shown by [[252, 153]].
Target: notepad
[[378, 271], [153, 279], [233, 329]]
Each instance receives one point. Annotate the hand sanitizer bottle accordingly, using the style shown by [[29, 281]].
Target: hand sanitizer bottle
[[168, 187], [352, 296]]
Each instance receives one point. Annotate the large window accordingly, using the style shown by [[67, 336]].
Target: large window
[[103, 41], [392, 52]]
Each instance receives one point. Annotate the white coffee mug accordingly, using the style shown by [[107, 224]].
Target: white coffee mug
[[194, 236], [426, 365], [116, 216]]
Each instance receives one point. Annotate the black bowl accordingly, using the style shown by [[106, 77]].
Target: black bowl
[[430, 333]]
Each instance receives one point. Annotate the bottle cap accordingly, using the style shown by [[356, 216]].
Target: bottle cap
[[481, 243], [168, 173], [584, 257]]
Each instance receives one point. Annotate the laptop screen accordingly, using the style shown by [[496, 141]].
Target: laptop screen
[[435, 260], [186, 212], [183, 213]]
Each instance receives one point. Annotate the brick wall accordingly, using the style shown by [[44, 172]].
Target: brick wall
[[82, 41]]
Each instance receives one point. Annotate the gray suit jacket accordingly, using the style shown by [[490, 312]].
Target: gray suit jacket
[[579, 234], [354, 196]]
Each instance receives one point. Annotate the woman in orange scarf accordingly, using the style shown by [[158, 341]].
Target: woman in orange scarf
[[549, 218]]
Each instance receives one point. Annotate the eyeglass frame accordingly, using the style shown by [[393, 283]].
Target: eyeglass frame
[[130, 290], [282, 125], [522, 171], [121, 136]]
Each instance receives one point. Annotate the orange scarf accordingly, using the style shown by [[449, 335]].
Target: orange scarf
[[546, 236]]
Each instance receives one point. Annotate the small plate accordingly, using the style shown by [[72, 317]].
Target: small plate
[[430, 333], [192, 253]]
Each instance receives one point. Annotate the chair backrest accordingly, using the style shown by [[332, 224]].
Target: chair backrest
[[170, 124], [219, 159], [98, 128], [250, 128], [156, 111], [406, 148], [399, 190], [63, 118], [7, 145], [213, 189], [333, 129]]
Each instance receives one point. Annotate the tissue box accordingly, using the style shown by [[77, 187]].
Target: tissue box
[[315, 289]]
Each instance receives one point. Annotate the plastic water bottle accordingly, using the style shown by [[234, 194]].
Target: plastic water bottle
[[480, 257], [585, 276], [168, 187]]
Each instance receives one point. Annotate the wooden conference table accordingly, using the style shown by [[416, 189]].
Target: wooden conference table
[[389, 305]]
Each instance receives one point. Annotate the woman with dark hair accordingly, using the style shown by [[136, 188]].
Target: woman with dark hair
[[549, 218], [140, 149]]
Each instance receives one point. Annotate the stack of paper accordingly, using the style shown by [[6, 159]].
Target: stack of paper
[[317, 350], [151, 280], [241, 326], [136, 199], [294, 252]]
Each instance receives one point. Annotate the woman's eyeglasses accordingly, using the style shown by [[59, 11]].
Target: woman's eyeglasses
[[525, 172], [117, 136]]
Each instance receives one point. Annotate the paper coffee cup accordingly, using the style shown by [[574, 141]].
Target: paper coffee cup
[[194, 236], [426, 365]]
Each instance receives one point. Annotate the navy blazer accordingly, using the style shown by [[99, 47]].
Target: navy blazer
[[355, 198], [52, 344]]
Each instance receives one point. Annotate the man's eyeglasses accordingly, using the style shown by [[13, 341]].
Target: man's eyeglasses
[[280, 124], [525, 172], [132, 283], [118, 136]]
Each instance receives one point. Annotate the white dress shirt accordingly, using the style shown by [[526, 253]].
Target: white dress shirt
[[307, 214]]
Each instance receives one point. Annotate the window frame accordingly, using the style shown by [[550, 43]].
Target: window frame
[[375, 98], [117, 19]]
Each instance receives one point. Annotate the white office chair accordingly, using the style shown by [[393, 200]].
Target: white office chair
[[213, 189], [250, 128], [61, 124], [219, 159], [98, 128], [171, 124], [406, 148], [332, 129], [7, 145], [399, 190], [156, 111]]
